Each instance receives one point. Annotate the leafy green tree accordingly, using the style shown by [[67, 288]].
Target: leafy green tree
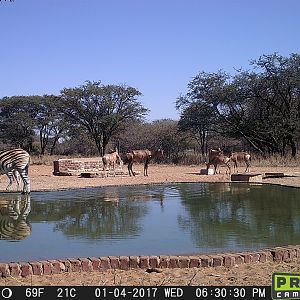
[[17, 120], [22, 117], [197, 119], [261, 106], [103, 110], [50, 122], [277, 88]]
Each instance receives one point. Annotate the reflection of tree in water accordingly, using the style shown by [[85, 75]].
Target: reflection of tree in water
[[231, 215], [104, 214], [13, 217]]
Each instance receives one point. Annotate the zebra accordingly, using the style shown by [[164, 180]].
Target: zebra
[[16, 160], [14, 225]]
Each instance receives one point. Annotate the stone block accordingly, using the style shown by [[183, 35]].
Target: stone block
[[15, 269], [173, 263], [67, 264], [86, 265], [247, 177], [96, 262], [217, 260], [238, 259], [75, 265], [255, 257], [164, 261], [194, 262], [183, 262], [4, 270], [105, 263], [280, 254], [229, 261], [47, 267], [134, 262], [37, 268], [153, 261], [247, 257], [26, 269], [124, 262], [144, 262], [57, 267], [114, 262], [205, 261]]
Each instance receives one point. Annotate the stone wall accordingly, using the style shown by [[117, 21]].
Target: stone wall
[[70, 166], [47, 267]]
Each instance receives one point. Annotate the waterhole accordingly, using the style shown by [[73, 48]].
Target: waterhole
[[163, 219]]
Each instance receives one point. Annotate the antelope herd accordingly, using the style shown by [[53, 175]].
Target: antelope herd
[[216, 158]]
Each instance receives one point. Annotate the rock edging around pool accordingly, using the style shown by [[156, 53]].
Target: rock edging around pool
[[48, 267]]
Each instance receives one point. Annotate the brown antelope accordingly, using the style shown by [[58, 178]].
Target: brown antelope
[[217, 157], [142, 156], [241, 157], [110, 160]]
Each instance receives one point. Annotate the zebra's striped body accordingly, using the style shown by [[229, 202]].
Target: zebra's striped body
[[16, 160]]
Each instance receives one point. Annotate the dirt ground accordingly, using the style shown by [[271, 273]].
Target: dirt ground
[[246, 274]]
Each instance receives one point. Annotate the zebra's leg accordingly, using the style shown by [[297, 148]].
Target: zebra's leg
[[11, 178], [146, 168], [130, 164], [114, 168], [228, 168], [16, 177], [104, 169], [236, 166], [247, 166], [24, 175]]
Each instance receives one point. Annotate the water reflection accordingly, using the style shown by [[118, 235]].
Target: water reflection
[[13, 217], [96, 215], [239, 215], [149, 220]]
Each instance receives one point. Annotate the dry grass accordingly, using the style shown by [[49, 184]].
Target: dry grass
[[275, 161]]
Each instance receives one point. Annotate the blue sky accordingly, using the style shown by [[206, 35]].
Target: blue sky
[[156, 46]]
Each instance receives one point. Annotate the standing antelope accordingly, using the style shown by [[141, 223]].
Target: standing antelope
[[110, 160], [217, 157], [142, 156], [241, 157]]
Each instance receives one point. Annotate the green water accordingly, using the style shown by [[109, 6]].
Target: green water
[[148, 220]]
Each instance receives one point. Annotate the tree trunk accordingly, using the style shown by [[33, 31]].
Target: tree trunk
[[43, 141], [104, 144], [53, 145], [293, 147]]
